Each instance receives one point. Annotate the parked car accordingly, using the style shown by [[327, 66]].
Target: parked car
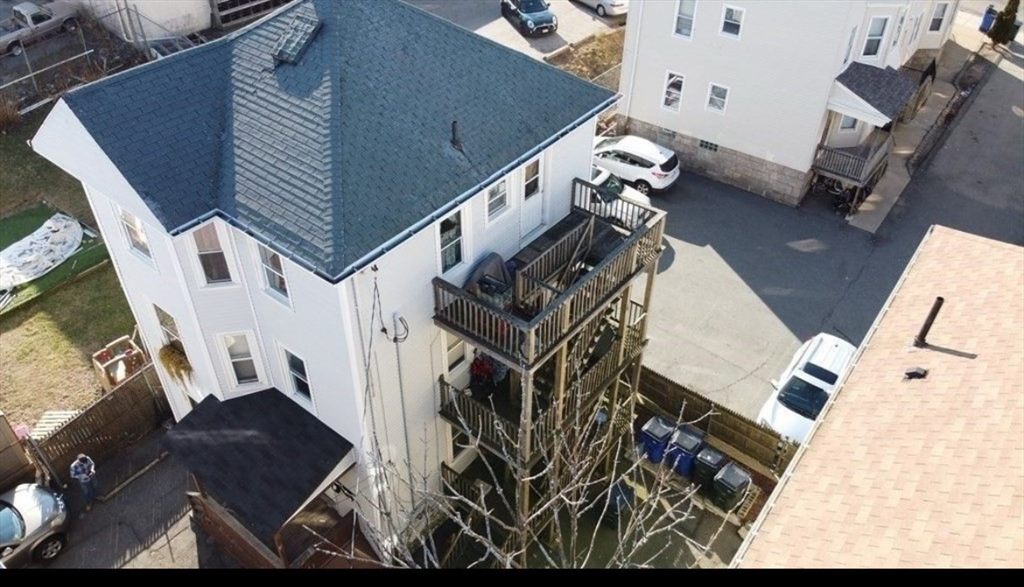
[[531, 17], [608, 190], [33, 525], [28, 22], [607, 7], [645, 165], [806, 384]]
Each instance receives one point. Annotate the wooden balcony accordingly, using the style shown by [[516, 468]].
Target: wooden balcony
[[496, 420], [854, 164], [562, 279]]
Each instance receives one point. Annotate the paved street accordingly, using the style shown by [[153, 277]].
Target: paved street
[[575, 23]]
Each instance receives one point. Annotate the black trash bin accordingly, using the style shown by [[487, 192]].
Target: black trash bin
[[730, 484], [655, 435], [621, 499], [686, 442], [708, 463]]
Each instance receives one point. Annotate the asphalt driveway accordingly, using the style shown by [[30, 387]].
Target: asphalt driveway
[[743, 281]]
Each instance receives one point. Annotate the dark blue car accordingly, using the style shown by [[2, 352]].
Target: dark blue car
[[531, 17]]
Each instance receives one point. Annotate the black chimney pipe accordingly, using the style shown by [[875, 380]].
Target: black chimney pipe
[[919, 340], [455, 135]]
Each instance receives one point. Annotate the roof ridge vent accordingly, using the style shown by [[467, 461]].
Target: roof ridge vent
[[296, 38]]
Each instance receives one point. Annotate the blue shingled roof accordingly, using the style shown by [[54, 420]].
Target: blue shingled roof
[[331, 157]]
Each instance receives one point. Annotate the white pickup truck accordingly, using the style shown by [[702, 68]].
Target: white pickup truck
[[31, 21]]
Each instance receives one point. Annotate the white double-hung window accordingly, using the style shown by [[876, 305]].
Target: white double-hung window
[[732, 21], [673, 92], [685, 10], [240, 355], [876, 32], [211, 255], [273, 272], [451, 241], [718, 96], [497, 199], [136, 234], [938, 16]]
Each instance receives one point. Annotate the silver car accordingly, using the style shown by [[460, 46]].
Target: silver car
[[33, 525], [607, 7]]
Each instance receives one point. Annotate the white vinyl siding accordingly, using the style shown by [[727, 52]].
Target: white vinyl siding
[[673, 92], [685, 10], [876, 32]]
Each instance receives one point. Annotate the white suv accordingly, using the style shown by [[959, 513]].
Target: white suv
[[806, 384], [645, 165]]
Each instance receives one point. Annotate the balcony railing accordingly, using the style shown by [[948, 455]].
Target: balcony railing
[[528, 341], [501, 432], [855, 164]]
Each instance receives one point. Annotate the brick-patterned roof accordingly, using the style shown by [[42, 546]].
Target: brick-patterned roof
[[331, 157], [918, 472], [884, 88]]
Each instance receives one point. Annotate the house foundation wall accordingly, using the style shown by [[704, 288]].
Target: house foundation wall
[[760, 176]]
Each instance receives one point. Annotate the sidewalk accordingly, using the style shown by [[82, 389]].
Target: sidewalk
[[965, 39]]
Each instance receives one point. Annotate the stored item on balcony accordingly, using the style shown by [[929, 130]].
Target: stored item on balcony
[[730, 484], [686, 442], [491, 281], [708, 463], [655, 436]]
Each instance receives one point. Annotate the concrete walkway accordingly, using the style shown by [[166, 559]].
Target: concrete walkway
[[966, 37]]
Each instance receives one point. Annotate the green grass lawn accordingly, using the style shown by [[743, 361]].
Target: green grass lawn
[[46, 344]]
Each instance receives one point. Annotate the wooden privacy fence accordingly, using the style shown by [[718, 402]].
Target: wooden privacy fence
[[15, 467], [110, 424], [757, 443]]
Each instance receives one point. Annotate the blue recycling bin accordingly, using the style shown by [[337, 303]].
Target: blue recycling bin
[[686, 442], [655, 436], [988, 18]]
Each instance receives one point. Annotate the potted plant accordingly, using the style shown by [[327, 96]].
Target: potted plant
[[175, 362]]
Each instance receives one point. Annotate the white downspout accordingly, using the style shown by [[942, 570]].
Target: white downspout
[[636, 48]]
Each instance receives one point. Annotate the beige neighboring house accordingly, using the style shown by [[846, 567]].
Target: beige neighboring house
[[917, 472], [764, 95]]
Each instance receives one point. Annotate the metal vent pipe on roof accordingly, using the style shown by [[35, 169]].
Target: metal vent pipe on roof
[[919, 340]]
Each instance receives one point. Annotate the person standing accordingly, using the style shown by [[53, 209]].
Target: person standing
[[83, 470]]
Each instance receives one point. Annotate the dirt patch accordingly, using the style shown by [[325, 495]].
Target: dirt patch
[[592, 56], [59, 65]]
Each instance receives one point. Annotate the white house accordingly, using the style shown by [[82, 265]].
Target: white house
[[763, 94], [290, 203]]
